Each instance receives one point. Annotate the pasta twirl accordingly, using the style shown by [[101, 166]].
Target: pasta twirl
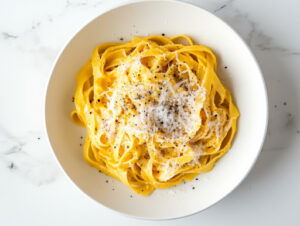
[[155, 111]]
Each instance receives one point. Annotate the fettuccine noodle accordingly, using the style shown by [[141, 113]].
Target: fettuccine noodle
[[155, 111]]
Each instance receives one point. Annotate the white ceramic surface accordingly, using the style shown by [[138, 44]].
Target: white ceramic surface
[[242, 75]]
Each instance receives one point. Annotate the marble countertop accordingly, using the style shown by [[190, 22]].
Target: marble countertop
[[33, 189]]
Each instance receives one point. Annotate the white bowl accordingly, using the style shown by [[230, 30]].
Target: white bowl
[[242, 76]]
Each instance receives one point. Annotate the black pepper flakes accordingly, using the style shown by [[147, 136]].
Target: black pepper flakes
[[98, 100], [284, 103], [193, 188], [121, 39], [225, 67], [38, 138], [275, 106], [197, 179], [106, 181], [131, 196], [73, 99], [163, 34]]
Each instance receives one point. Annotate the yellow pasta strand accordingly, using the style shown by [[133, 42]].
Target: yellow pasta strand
[[155, 111]]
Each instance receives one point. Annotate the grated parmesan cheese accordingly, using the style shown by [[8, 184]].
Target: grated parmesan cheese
[[163, 110]]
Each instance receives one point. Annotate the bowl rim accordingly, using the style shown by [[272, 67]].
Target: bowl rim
[[107, 8]]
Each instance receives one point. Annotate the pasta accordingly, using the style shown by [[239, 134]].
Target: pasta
[[155, 111]]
